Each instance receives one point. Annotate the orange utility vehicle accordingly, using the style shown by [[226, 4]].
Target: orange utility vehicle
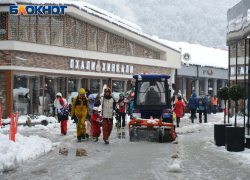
[[152, 116]]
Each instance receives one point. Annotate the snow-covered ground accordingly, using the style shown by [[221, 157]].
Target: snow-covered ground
[[25, 148], [36, 119]]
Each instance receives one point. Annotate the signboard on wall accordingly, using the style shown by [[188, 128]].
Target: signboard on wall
[[100, 67], [238, 26]]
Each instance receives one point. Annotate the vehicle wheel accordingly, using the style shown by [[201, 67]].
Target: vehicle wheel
[[160, 136], [132, 135]]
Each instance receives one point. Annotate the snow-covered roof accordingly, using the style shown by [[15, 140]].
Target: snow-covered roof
[[97, 12], [201, 55]]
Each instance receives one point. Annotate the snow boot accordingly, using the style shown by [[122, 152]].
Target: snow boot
[[83, 136], [79, 139], [87, 135], [192, 120], [64, 133], [178, 121], [106, 142], [95, 139]]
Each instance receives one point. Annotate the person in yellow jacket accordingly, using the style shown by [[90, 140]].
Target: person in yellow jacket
[[80, 110]]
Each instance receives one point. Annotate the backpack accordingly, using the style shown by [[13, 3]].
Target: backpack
[[201, 102]]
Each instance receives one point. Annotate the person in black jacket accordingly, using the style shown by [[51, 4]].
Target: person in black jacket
[[63, 115]]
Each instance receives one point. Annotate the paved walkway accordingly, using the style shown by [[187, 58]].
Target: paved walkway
[[136, 160]]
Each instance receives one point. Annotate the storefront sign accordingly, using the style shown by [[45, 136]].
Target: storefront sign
[[108, 67], [241, 70], [34, 10], [210, 72]]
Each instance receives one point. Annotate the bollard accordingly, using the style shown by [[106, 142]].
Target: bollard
[[0, 114], [13, 127], [16, 122]]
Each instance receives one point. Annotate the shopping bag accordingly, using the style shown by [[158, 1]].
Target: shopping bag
[[174, 116]]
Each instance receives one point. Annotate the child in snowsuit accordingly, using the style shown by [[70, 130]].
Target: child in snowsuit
[[63, 115], [96, 121], [178, 109]]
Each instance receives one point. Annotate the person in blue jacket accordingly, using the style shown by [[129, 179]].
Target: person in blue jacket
[[193, 103]]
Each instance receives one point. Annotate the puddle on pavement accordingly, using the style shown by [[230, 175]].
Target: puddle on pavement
[[81, 152], [121, 135], [41, 171]]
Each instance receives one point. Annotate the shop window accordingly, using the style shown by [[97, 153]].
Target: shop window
[[44, 29], [113, 44], [119, 87], [3, 91], [121, 45], [97, 85], [33, 28], [28, 94], [103, 40], [24, 28], [13, 27], [3, 25], [57, 30], [70, 32], [130, 49], [80, 35], [74, 86], [53, 85], [92, 38]]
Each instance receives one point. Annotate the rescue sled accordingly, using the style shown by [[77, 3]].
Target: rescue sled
[[152, 116]]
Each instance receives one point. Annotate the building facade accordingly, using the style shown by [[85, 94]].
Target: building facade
[[41, 55], [197, 78], [238, 31]]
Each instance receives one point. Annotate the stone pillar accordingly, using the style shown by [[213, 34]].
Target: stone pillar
[[184, 85], [78, 85], [214, 87], [222, 102], [179, 84], [196, 87], [206, 86], [188, 95]]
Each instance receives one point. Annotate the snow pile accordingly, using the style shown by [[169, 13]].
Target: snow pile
[[97, 12], [201, 55], [239, 119], [36, 119], [175, 168], [151, 121], [25, 148]]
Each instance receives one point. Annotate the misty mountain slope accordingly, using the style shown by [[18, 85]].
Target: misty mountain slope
[[192, 21]]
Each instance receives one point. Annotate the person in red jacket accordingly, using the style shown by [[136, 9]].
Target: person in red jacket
[[122, 111], [96, 122], [178, 109]]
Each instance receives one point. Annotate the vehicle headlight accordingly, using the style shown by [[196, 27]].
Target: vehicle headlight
[[136, 115]]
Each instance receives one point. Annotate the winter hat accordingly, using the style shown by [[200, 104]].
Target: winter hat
[[107, 89], [95, 108], [59, 94], [61, 100], [82, 91]]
